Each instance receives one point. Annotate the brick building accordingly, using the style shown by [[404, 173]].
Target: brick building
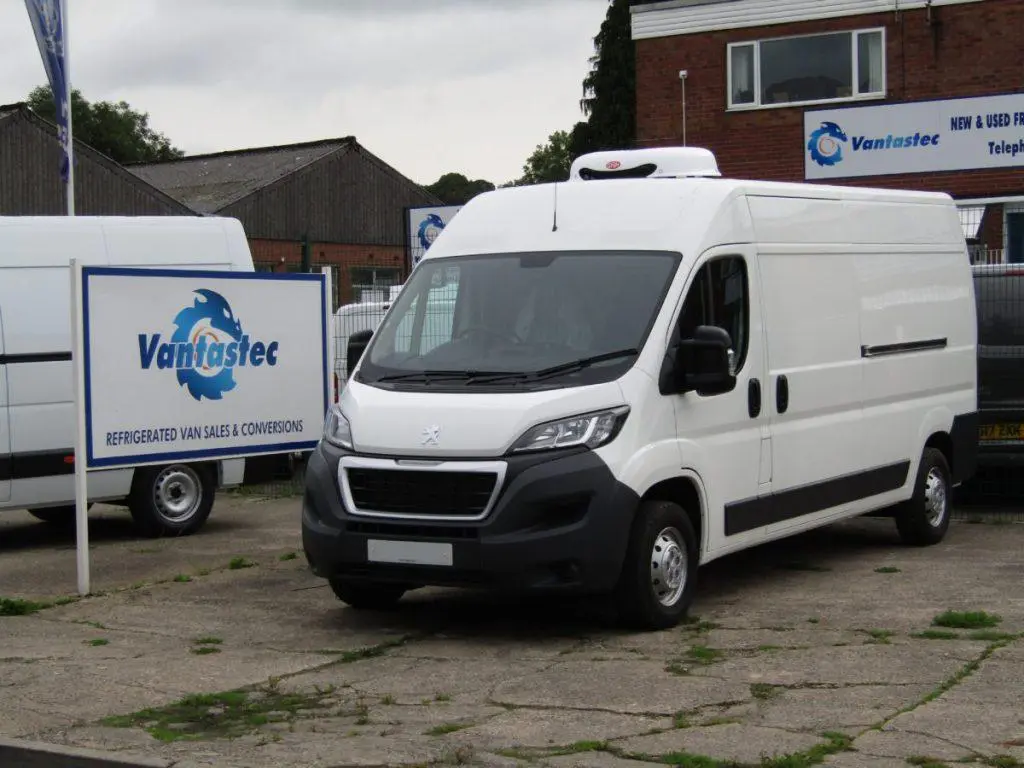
[[305, 205], [922, 94]]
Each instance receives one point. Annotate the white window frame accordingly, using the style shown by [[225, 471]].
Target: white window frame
[[855, 71]]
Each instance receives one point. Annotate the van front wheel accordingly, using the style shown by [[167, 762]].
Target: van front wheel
[[174, 500], [658, 576], [924, 519]]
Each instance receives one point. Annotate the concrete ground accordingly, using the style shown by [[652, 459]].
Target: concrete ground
[[221, 649]]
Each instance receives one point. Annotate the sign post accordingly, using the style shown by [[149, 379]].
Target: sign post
[[179, 365]]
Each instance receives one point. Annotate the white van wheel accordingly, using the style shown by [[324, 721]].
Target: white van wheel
[[658, 576], [924, 519], [173, 500]]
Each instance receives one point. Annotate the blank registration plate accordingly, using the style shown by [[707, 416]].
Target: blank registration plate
[[1002, 432], [409, 552]]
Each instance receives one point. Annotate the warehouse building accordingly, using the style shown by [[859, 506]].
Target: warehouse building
[[318, 203], [915, 94]]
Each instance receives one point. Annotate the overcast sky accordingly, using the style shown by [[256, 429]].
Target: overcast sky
[[428, 85]]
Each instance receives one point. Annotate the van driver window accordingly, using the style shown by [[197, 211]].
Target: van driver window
[[718, 296]]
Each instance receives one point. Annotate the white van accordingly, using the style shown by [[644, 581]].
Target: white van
[[649, 367], [36, 395]]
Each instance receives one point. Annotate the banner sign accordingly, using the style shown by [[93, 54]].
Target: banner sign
[[47, 17], [915, 137], [186, 364], [424, 225]]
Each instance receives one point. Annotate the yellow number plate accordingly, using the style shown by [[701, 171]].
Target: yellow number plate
[[1002, 432]]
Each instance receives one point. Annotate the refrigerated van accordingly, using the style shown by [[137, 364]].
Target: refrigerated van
[[37, 415], [649, 367]]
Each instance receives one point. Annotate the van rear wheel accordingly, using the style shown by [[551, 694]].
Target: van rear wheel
[[924, 519], [173, 500], [658, 576]]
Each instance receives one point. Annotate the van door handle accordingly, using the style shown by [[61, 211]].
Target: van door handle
[[754, 398], [781, 394]]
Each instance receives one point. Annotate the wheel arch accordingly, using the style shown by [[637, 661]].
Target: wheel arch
[[686, 490]]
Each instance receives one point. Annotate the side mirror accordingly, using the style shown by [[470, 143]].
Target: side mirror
[[704, 363], [357, 344]]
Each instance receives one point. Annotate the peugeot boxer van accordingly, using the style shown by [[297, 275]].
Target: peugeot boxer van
[[649, 367], [37, 416]]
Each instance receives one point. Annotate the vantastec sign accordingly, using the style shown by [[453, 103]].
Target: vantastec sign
[[915, 137]]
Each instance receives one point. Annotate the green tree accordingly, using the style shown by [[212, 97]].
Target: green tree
[[456, 189], [118, 131], [609, 89], [549, 162]]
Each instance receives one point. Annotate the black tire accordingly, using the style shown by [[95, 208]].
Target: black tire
[[172, 500], [924, 519], [367, 595], [648, 551]]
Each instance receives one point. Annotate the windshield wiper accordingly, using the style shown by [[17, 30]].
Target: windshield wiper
[[557, 370], [430, 376]]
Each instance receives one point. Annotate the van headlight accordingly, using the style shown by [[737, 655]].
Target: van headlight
[[337, 430], [590, 429]]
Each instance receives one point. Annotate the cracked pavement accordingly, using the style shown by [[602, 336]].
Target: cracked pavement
[[798, 648]]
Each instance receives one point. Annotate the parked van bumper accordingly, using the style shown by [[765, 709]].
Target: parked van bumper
[[560, 523]]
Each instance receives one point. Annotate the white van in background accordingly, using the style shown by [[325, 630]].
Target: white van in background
[[642, 370], [37, 416]]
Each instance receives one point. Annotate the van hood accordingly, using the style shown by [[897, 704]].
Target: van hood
[[466, 424]]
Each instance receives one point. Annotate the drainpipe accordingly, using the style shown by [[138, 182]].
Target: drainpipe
[[682, 80]]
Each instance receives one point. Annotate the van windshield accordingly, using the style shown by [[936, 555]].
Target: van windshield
[[533, 319]]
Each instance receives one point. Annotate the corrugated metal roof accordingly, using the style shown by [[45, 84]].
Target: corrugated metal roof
[[210, 183]]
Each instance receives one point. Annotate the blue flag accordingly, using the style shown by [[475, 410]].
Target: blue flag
[[48, 24]]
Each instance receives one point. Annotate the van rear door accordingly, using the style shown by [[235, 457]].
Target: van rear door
[[999, 294], [6, 459]]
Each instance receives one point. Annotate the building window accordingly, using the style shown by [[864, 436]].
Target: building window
[[374, 283], [807, 69]]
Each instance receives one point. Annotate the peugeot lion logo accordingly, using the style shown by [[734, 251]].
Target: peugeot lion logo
[[431, 435]]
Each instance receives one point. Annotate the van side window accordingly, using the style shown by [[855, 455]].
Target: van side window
[[719, 296], [418, 331]]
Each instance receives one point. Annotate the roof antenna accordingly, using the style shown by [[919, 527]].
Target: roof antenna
[[554, 213]]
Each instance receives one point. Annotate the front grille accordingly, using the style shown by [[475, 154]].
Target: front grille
[[413, 492]]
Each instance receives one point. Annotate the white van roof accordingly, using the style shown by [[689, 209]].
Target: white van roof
[[689, 214]]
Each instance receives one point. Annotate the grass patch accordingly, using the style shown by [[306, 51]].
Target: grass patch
[[209, 641], [369, 652], [695, 624], [702, 654], [229, 714], [936, 634], [887, 569], [182, 578], [926, 762], [769, 648], [97, 641], [238, 563], [441, 730], [764, 691], [387, 700], [991, 636], [13, 606], [814, 620], [288, 556], [681, 720], [443, 697], [879, 636], [205, 650], [966, 620]]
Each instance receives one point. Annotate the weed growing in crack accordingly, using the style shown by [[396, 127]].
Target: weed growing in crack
[[887, 569], [991, 636], [444, 728], [205, 650], [935, 634], [967, 620], [237, 563], [387, 700], [443, 697], [13, 606], [182, 578], [879, 636], [97, 641], [209, 641], [764, 691], [702, 654], [925, 762], [288, 556]]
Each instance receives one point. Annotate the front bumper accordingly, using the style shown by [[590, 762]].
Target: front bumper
[[559, 522]]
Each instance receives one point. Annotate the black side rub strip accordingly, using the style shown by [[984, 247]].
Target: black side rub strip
[[28, 466], [883, 350], [35, 357], [747, 515]]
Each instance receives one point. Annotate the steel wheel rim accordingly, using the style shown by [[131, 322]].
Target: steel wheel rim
[[177, 493], [669, 565], [936, 498]]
